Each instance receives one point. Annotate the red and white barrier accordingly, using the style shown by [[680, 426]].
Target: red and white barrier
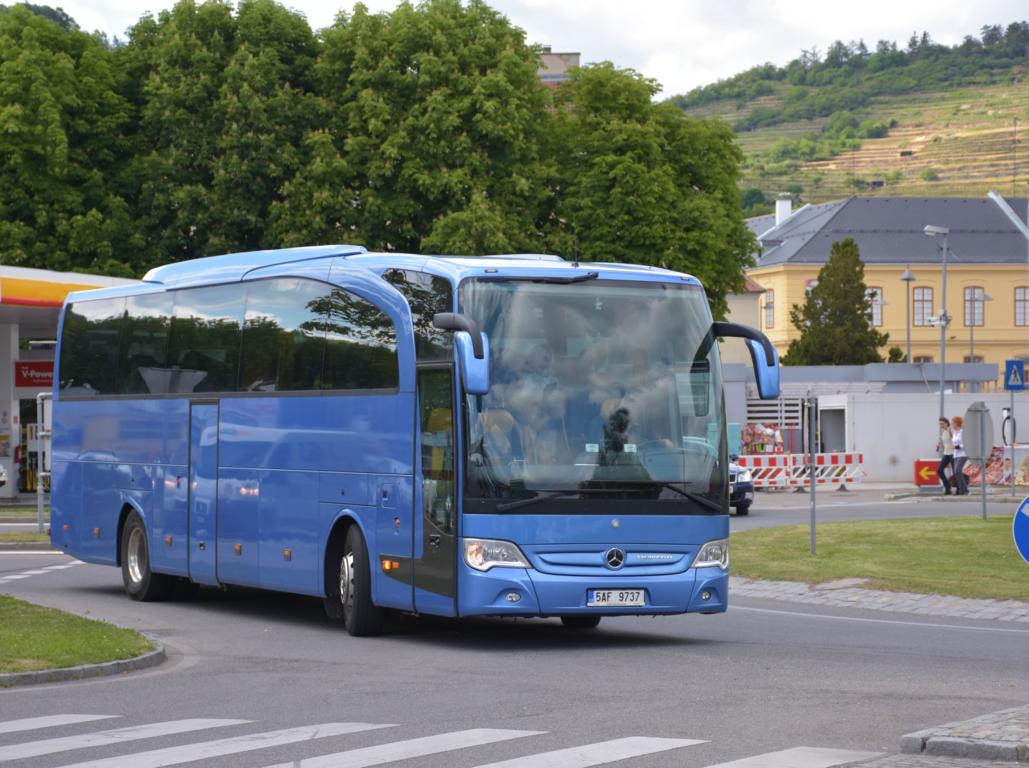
[[791, 470], [768, 470]]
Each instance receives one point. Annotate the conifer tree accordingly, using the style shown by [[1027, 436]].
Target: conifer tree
[[835, 321]]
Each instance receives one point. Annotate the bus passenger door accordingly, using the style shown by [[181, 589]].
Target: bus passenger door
[[435, 560], [203, 491]]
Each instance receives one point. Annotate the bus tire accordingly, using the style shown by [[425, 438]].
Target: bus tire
[[140, 582], [742, 509], [580, 621], [361, 616]]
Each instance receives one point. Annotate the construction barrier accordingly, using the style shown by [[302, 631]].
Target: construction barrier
[[767, 470], [791, 470]]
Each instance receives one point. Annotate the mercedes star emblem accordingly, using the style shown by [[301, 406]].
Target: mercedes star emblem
[[614, 558]]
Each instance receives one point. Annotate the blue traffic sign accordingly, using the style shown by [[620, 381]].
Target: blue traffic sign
[[1020, 529], [1014, 375]]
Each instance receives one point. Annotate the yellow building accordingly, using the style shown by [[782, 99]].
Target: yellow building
[[987, 299]]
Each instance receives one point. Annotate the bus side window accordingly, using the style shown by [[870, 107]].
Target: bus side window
[[360, 344], [144, 358], [90, 346], [426, 295], [205, 338], [283, 336]]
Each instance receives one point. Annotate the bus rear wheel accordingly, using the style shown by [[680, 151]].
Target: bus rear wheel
[[140, 582], [580, 622], [361, 616]]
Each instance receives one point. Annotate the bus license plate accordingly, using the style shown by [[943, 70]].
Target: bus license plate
[[607, 597]]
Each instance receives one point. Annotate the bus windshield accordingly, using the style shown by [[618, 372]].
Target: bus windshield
[[600, 390]]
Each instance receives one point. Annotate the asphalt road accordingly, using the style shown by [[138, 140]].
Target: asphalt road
[[761, 678]]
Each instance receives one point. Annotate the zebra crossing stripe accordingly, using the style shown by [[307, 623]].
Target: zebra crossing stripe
[[800, 757], [207, 750], [105, 738], [596, 754], [384, 754], [50, 721]]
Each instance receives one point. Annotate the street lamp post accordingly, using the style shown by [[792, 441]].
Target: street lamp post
[[932, 231], [908, 277]]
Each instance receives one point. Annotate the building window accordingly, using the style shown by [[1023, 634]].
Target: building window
[[923, 299], [974, 306], [769, 308], [922, 359], [1022, 305], [875, 295]]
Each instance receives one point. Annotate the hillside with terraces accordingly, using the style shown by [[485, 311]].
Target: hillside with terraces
[[934, 139]]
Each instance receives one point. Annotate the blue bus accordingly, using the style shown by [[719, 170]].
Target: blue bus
[[509, 435]]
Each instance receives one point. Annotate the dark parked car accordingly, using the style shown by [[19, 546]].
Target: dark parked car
[[741, 488]]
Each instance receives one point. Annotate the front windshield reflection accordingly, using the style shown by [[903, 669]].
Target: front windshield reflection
[[599, 389]]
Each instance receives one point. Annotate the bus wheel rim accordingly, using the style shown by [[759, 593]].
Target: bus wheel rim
[[136, 555], [346, 582]]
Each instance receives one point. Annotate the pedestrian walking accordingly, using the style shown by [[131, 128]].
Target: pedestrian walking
[[945, 447], [960, 457]]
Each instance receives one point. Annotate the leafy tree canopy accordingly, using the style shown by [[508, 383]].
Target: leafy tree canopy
[[835, 321]]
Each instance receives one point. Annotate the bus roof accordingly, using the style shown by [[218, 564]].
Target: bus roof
[[236, 266]]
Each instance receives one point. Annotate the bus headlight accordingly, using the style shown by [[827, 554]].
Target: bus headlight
[[483, 554], [713, 553]]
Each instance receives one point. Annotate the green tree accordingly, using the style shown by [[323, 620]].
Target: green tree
[[641, 182], [223, 103], [61, 124], [835, 321], [435, 110]]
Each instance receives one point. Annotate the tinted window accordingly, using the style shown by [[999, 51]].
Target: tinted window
[[144, 354], [89, 347], [361, 343], [205, 338], [426, 294], [283, 336]]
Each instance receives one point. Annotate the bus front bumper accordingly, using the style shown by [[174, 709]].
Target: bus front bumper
[[528, 592]]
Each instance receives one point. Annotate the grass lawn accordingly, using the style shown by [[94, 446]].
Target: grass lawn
[[34, 638], [961, 556], [23, 512], [19, 536]]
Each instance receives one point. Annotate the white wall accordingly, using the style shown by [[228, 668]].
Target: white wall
[[892, 430]]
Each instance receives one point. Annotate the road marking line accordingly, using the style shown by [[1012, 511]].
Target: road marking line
[[206, 750], [880, 621], [32, 723], [33, 573], [23, 552], [384, 754], [596, 754], [800, 757], [106, 738], [15, 576]]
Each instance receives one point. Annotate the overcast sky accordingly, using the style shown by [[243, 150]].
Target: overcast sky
[[680, 43]]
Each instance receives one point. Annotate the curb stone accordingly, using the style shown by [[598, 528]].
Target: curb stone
[[1000, 736], [86, 671]]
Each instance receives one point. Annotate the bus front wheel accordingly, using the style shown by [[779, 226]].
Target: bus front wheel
[[141, 583], [361, 616]]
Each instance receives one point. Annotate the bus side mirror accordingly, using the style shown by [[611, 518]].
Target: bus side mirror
[[764, 356], [766, 375], [474, 370], [472, 350]]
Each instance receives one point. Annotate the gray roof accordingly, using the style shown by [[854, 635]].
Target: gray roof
[[888, 230]]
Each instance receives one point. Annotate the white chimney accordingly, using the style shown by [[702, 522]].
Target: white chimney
[[783, 209]]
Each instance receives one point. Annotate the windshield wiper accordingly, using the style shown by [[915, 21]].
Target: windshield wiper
[[697, 498], [545, 496], [553, 279]]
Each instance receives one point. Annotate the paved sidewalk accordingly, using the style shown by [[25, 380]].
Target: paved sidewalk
[[847, 593]]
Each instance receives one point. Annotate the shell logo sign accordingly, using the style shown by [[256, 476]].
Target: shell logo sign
[[35, 374]]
